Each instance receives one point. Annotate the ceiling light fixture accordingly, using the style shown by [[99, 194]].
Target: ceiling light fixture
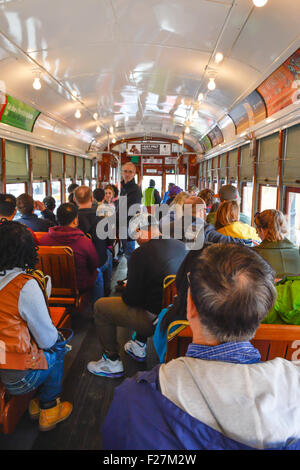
[[78, 113], [180, 141], [219, 57], [259, 3], [113, 140], [98, 129], [37, 83], [187, 130], [95, 116], [211, 84], [200, 97]]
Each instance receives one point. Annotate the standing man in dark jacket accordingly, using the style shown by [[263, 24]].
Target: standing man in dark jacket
[[133, 195]]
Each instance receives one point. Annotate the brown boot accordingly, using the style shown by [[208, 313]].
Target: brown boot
[[49, 418], [34, 408]]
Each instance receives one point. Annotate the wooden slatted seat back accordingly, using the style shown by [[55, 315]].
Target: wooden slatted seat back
[[271, 341], [58, 262], [169, 290], [277, 341]]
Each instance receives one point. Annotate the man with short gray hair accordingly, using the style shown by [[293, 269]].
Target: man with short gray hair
[[219, 396]]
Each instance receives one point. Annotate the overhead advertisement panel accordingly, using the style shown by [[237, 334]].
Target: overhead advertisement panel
[[249, 112], [149, 149], [205, 143], [282, 87], [216, 136], [18, 114]]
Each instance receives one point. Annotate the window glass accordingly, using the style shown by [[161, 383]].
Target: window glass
[[15, 189], [158, 182], [39, 191], [181, 181], [247, 193], [294, 217], [268, 198], [68, 181], [56, 192]]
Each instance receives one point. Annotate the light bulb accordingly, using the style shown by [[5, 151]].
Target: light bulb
[[200, 97], [78, 114], [37, 83], [98, 129], [187, 130], [111, 129], [180, 141], [113, 140], [95, 116], [219, 57], [211, 84], [259, 3]]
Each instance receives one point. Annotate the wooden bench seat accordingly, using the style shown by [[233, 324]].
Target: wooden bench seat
[[58, 263], [271, 341]]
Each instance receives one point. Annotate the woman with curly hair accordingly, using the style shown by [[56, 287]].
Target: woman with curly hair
[[275, 248], [29, 359]]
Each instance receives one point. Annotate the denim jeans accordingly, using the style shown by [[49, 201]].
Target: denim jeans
[[49, 380], [103, 281]]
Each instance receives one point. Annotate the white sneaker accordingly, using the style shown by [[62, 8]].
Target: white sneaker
[[106, 367], [136, 349]]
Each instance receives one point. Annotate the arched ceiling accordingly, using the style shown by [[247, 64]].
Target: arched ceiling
[[141, 64]]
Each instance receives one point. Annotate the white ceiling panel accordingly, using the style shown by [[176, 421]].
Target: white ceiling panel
[[142, 63]]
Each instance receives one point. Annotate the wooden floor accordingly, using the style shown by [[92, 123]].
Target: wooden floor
[[90, 395]]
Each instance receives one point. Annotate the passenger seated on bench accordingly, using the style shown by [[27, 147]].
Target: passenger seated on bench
[[67, 233], [26, 206], [219, 396], [275, 248], [71, 189], [26, 330], [50, 204], [228, 223], [8, 210], [141, 301]]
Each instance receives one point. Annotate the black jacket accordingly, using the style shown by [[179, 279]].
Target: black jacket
[[48, 215], [88, 224], [133, 195], [148, 266]]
